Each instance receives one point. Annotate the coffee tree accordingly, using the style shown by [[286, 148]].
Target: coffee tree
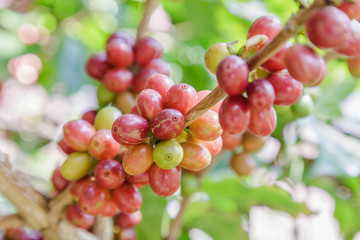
[[107, 110]]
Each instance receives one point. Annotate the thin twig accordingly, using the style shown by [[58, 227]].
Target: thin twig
[[11, 221], [149, 7], [176, 224], [104, 227]]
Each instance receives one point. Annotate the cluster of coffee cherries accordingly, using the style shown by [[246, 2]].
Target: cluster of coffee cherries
[[125, 67]]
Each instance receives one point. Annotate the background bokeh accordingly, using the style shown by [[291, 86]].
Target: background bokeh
[[308, 165]]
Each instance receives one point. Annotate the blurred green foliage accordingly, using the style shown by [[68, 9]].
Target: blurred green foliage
[[72, 30]]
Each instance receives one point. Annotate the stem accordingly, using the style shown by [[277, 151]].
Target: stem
[[11, 221], [149, 7], [176, 224], [259, 58]]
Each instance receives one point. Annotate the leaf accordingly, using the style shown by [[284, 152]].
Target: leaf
[[152, 210], [232, 189]]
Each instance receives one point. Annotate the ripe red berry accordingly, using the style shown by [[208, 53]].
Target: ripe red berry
[[110, 210], [160, 83], [124, 221], [261, 94], [89, 116], [287, 89], [147, 49], [352, 9], [76, 187], [127, 198], [327, 27], [262, 122], [124, 36], [234, 114], [118, 79], [58, 181], [351, 46], [78, 218], [354, 66], [109, 174], [77, 134], [65, 148], [149, 103], [232, 75], [160, 66], [139, 180], [97, 65], [164, 182], [276, 62], [231, 141], [140, 79], [138, 159], [103, 146], [181, 97], [303, 64], [213, 146], [207, 127], [168, 124], [267, 25], [130, 129], [196, 157], [94, 198], [119, 53]]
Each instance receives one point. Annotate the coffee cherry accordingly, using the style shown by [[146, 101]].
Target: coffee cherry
[[276, 62], [149, 103], [140, 79], [127, 234], [164, 182], [160, 66], [213, 146], [23, 233], [123, 36], [96, 66], [76, 166], [354, 66], [351, 46], [214, 55], [352, 9], [118, 79], [58, 181], [94, 198], [252, 143], [65, 148], [76, 187], [127, 198], [303, 64], [168, 124], [160, 83], [261, 94], [109, 174], [78, 218], [119, 53], [287, 90], [77, 134], [168, 154], [303, 107], [232, 75], [106, 117], [266, 25], [139, 180], [181, 97], [89, 116], [262, 122], [102, 146], [242, 164], [234, 114], [196, 157], [327, 27], [231, 141], [124, 101], [104, 95], [138, 159], [124, 221], [130, 129], [110, 210], [207, 127], [147, 49]]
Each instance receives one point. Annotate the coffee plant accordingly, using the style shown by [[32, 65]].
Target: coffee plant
[[107, 109]]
